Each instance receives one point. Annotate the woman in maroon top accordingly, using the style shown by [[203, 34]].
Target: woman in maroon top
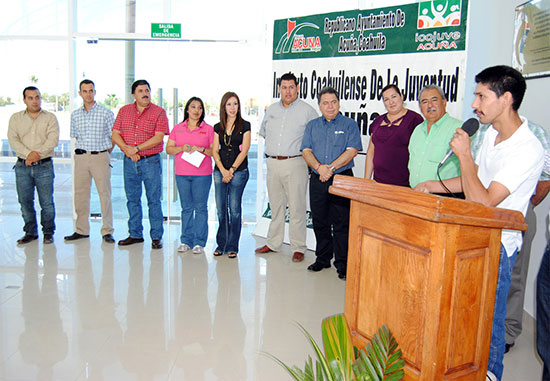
[[390, 134]]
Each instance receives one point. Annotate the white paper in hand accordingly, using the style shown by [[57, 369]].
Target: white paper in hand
[[194, 158]]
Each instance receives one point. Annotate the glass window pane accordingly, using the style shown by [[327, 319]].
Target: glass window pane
[[34, 17]]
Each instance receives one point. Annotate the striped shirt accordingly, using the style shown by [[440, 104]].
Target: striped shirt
[[92, 129], [136, 128], [540, 133]]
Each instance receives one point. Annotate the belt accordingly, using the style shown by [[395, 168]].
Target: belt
[[41, 161], [282, 157], [79, 151], [142, 157]]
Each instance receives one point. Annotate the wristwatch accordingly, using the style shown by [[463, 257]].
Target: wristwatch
[[333, 168], [137, 147]]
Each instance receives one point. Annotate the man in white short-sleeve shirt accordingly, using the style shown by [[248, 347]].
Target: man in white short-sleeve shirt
[[504, 174]]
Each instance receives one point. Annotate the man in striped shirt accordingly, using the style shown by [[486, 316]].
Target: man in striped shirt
[[91, 127]]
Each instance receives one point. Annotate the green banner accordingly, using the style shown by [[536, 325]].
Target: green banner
[[429, 26]]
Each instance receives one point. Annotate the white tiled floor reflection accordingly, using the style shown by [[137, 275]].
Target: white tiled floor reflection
[[94, 311]]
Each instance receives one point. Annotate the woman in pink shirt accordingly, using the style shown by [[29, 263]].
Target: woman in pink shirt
[[191, 142]]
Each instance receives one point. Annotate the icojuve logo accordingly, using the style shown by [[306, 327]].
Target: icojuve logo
[[298, 42], [439, 13]]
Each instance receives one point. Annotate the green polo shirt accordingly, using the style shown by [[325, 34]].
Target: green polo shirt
[[427, 150]]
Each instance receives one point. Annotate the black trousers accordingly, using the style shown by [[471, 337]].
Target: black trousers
[[330, 214]]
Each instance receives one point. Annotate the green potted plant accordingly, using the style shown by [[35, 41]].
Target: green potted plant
[[378, 360]]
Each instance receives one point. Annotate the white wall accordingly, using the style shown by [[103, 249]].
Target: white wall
[[491, 28]]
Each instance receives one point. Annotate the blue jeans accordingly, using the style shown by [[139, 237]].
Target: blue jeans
[[193, 191], [149, 172], [26, 180], [543, 313], [229, 205], [498, 341]]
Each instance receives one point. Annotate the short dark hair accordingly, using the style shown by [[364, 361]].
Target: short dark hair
[[87, 82], [140, 82], [502, 78], [391, 86], [327, 90], [289, 77], [31, 88], [186, 110]]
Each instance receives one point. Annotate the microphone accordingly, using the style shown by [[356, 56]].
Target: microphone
[[470, 127]]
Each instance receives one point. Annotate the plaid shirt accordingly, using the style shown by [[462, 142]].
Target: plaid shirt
[[540, 133], [92, 129], [136, 128]]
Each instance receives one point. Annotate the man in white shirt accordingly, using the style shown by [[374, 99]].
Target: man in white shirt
[[504, 174]]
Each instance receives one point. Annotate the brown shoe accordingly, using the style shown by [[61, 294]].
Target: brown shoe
[[264, 249], [297, 257]]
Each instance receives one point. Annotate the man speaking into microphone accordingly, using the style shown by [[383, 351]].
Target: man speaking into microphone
[[430, 140], [503, 174]]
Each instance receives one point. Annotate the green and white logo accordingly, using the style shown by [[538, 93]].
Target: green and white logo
[[439, 13]]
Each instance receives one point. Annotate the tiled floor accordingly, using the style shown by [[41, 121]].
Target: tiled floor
[[90, 310], [93, 311]]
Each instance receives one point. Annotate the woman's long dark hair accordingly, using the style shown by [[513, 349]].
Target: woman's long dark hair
[[186, 110], [223, 114]]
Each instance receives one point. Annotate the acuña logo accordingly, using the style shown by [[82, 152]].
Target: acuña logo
[[297, 42], [439, 13]]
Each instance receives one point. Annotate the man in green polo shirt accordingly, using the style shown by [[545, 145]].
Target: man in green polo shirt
[[430, 140]]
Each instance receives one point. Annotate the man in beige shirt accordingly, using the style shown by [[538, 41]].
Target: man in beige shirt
[[33, 134]]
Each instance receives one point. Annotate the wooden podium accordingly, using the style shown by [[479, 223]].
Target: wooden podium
[[427, 266]]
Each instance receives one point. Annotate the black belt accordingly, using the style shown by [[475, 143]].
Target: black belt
[[79, 151], [141, 157], [41, 161], [282, 157]]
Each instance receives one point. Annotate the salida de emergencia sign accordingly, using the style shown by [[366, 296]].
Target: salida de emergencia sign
[[165, 30]]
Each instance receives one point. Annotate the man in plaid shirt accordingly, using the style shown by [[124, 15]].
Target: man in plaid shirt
[[139, 131], [91, 128]]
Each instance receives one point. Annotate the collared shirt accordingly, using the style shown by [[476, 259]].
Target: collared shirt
[[26, 134], [426, 150], [136, 128], [328, 140], [283, 127], [516, 163], [202, 136], [92, 129], [540, 133]]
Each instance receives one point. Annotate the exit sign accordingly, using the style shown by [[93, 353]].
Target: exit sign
[[165, 30]]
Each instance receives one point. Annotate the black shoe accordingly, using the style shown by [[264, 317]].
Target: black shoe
[[75, 236], [27, 238], [156, 244], [507, 347], [342, 275], [317, 266], [129, 241], [108, 238], [48, 238]]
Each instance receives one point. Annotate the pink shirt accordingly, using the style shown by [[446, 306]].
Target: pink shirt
[[203, 136]]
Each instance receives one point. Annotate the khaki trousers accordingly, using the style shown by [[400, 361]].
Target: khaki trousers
[[88, 166], [287, 185]]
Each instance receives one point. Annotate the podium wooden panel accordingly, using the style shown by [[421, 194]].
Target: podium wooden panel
[[427, 266]]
